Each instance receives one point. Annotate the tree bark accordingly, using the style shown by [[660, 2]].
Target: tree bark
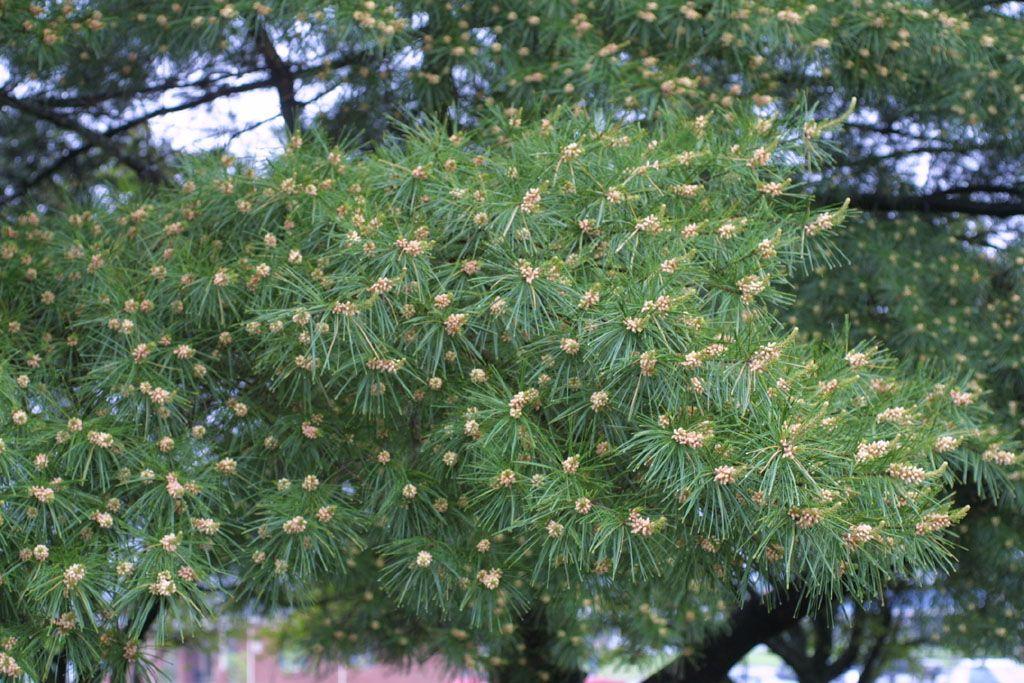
[[818, 665], [942, 202], [874, 659], [147, 170], [797, 659], [281, 77], [752, 624], [535, 661], [60, 670]]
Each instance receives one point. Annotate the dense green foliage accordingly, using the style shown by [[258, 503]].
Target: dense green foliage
[[537, 338], [444, 345], [941, 305], [946, 76]]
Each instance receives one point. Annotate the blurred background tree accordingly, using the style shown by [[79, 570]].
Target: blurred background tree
[[931, 156]]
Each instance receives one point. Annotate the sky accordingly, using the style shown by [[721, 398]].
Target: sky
[[202, 128]]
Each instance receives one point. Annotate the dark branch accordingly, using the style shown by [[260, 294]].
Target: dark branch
[[89, 144], [281, 77], [823, 631], [818, 666], [932, 204], [535, 661], [146, 171], [991, 188], [753, 623], [792, 655], [845, 660], [94, 99], [874, 658], [70, 155], [46, 172]]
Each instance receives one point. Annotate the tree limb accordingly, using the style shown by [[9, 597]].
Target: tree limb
[[845, 660], [146, 171], [209, 96], [90, 143], [792, 655], [752, 624], [873, 660], [94, 99], [931, 204], [281, 77], [823, 633]]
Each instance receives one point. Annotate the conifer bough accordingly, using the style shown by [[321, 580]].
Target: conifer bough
[[476, 378], [201, 420]]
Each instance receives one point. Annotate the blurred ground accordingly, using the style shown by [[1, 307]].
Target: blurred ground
[[249, 660]]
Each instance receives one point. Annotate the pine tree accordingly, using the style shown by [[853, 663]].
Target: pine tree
[[531, 343]]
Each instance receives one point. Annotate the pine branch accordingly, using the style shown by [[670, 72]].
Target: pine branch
[[752, 624], [818, 666], [853, 647], [146, 171], [93, 141], [95, 99], [941, 203], [281, 77], [875, 655]]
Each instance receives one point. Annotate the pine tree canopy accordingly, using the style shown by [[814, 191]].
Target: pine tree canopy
[[563, 328]]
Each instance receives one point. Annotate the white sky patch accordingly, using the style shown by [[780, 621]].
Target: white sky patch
[[215, 125], [921, 170]]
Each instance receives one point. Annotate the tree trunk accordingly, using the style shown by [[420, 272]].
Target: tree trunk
[[750, 625], [59, 672], [811, 659], [534, 662], [804, 667], [875, 658], [282, 78]]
